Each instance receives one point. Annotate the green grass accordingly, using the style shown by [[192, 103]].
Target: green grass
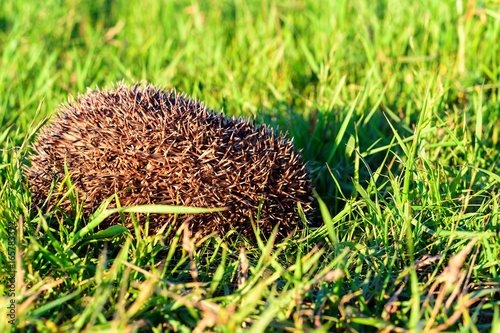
[[395, 103]]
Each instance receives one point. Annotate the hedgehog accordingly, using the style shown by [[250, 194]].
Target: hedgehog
[[148, 145]]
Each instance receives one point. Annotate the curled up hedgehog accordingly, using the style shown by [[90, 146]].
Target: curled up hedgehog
[[152, 146]]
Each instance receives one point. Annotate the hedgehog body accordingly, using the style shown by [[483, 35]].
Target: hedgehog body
[[151, 146]]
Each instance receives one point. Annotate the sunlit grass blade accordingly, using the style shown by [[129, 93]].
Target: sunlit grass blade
[[153, 209]]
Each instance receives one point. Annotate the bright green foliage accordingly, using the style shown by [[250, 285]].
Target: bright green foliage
[[395, 103]]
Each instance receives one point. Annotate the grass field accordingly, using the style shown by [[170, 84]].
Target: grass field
[[396, 105]]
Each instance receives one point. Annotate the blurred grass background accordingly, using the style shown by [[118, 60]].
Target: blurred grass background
[[245, 56]]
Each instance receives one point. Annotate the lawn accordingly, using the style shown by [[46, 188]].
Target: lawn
[[395, 105]]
